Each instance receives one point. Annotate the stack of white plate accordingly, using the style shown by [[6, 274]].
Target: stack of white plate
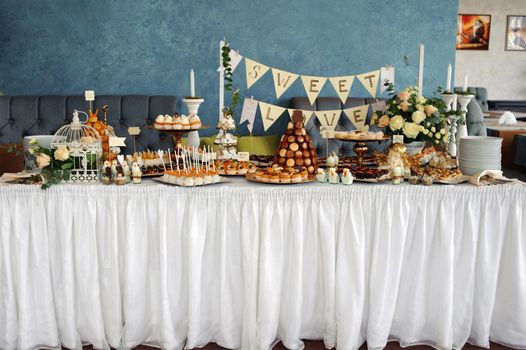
[[479, 153]]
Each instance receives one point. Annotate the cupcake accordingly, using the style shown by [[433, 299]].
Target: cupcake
[[347, 178], [167, 122], [297, 177], [159, 122], [321, 176], [177, 125], [231, 169], [284, 177], [195, 121], [242, 169], [251, 168], [185, 123]]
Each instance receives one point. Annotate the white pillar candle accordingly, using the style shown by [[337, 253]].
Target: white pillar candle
[[192, 83], [465, 83], [421, 70], [448, 84]]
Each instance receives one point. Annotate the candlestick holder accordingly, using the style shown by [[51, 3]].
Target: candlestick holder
[[463, 101], [192, 104], [450, 100]]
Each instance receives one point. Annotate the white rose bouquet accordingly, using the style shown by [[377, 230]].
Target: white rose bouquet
[[416, 117], [55, 164]]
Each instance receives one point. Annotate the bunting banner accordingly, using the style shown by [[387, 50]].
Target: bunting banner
[[342, 86], [387, 75], [370, 81], [248, 113], [250, 127], [313, 86], [357, 116], [282, 80], [254, 71], [269, 114], [235, 59], [328, 119], [308, 114]]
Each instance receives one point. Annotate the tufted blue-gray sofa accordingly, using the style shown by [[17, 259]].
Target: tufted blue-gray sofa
[[43, 115], [328, 103]]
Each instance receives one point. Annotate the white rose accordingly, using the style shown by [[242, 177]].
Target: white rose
[[418, 116], [384, 121], [43, 160], [433, 129], [442, 131], [420, 107], [404, 106], [421, 100], [62, 153], [430, 109], [412, 130], [403, 95], [396, 122]]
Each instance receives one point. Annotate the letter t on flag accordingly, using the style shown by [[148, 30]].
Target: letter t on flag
[[370, 81]]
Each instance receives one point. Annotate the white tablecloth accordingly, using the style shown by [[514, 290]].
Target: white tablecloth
[[247, 265]]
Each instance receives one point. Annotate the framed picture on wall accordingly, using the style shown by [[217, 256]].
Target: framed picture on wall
[[516, 33], [473, 32]]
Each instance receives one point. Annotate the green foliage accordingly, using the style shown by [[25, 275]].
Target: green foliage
[[229, 110]]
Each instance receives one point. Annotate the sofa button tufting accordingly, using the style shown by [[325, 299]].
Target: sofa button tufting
[[121, 121]]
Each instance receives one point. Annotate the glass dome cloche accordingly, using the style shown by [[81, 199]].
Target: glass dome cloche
[[85, 148]]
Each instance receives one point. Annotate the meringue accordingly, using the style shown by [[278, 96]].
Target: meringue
[[185, 122], [195, 121], [167, 122], [177, 125], [159, 122]]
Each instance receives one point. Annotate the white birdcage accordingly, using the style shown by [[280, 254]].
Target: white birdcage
[[85, 148]]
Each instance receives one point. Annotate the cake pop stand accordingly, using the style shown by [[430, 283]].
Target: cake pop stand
[[177, 135]]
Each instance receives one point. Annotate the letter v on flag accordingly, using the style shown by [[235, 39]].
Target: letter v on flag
[[254, 71], [328, 119], [370, 81], [269, 114]]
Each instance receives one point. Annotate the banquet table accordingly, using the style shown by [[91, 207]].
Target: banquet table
[[246, 265]]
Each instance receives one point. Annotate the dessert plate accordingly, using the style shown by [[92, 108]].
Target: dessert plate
[[252, 177], [159, 179]]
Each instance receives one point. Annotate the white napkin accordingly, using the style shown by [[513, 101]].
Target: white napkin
[[489, 177], [507, 118]]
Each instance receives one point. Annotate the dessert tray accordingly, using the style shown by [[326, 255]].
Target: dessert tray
[[360, 136], [253, 178], [166, 182]]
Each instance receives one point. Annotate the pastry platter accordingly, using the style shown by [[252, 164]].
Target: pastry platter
[[252, 177]]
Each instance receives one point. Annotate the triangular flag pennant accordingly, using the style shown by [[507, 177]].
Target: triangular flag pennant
[[328, 119], [357, 116], [250, 127], [313, 86], [370, 81], [387, 76], [282, 80], [342, 86], [248, 113], [307, 114], [269, 114], [235, 58], [254, 71]]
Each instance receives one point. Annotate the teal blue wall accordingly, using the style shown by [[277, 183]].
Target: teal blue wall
[[148, 47]]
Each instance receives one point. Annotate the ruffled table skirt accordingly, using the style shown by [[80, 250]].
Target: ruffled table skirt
[[248, 265]]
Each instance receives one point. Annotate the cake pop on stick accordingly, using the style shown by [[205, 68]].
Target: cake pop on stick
[[170, 159]]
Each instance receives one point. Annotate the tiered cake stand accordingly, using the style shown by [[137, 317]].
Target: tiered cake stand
[[177, 135], [360, 148]]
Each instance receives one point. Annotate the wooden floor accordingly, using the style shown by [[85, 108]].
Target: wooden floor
[[318, 345]]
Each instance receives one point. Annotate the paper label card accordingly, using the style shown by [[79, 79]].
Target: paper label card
[[282, 80], [342, 86], [387, 75], [248, 113], [243, 156], [269, 114], [398, 138], [254, 71], [327, 134], [370, 81], [134, 130], [313, 86], [117, 141]]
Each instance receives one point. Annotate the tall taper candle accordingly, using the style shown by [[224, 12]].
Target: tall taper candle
[[421, 70], [448, 85], [465, 88], [192, 83]]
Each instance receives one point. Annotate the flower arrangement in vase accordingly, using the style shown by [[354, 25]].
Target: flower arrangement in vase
[[417, 118], [56, 164]]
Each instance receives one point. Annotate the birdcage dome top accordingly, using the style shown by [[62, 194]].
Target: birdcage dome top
[[75, 133]]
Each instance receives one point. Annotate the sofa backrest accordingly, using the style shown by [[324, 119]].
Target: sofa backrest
[[42, 115], [334, 103]]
